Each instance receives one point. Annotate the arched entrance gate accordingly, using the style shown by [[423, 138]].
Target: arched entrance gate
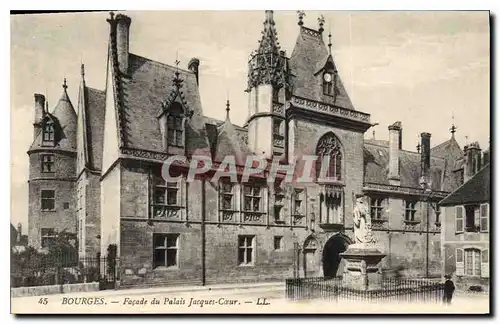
[[331, 254], [328, 260]]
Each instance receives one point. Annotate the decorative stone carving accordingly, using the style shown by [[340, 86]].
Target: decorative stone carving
[[330, 109]]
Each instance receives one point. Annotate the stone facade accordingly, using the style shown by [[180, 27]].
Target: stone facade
[[190, 232]]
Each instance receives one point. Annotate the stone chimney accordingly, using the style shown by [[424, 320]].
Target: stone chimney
[[39, 113], [425, 161], [472, 160], [122, 41], [394, 148], [193, 66]]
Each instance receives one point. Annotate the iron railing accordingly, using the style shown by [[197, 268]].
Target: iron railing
[[391, 289], [36, 270]]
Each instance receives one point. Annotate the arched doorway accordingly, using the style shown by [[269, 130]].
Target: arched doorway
[[311, 258], [331, 254]]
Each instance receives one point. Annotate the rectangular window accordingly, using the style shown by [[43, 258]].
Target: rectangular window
[[484, 217], [166, 193], [227, 196], [48, 237], [47, 163], [277, 126], [279, 197], [166, 248], [166, 197], [410, 211], [472, 218], [472, 262], [48, 133], [459, 219], [252, 198], [246, 249], [277, 242], [175, 130], [48, 199], [299, 202], [376, 208]]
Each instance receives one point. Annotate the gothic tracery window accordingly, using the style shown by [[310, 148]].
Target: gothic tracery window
[[329, 162]]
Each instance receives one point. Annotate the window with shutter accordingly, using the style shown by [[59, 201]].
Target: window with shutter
[[459, 219], [485, 264], [459, 260], [484, 217]]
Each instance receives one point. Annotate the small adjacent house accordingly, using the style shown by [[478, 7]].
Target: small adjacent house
[[465, 235]]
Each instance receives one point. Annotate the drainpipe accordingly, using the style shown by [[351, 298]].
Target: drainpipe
[[427, 234], [203, 247]]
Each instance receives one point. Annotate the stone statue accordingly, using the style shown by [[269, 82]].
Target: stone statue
[[362, 222]]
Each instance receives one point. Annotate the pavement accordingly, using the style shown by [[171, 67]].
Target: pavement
[[225, 298]]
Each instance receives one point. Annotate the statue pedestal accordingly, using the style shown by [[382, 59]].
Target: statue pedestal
[[361, 271]]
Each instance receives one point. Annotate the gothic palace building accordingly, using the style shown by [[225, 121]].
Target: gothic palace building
[[96, 171]]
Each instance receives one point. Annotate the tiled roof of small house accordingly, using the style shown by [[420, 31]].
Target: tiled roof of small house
[[148, 86], [309, 56], [476, 190], [376, 162], [64, 118], [96, 101]]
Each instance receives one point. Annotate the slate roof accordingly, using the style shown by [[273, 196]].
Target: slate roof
[[95, 109], [64, 118], [308, 58], [376, 162], [148, 86], [229, 143], [476, 190]]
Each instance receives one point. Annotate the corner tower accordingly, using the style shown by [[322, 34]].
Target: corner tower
[[268, 86], [52, 157]]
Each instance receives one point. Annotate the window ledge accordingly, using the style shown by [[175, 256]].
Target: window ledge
[[409, 222], [246, 265], [279, 221], [165, 269], [379, 220], [253, 212], [48, 210]]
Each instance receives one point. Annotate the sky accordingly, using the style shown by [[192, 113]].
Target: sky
[[420, 68]]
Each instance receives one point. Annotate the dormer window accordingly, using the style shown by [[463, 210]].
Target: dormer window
[[48, 134], [328, 87], [175, 126]]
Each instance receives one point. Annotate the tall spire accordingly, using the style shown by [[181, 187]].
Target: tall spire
[[177, 79], [266, 65], [301, 14], [453, 128], [330, 42], [321, 22], [269, 41], [227, 109]]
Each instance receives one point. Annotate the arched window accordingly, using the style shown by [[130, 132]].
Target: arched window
[[329, 162], [175, 126], [48, 134]]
